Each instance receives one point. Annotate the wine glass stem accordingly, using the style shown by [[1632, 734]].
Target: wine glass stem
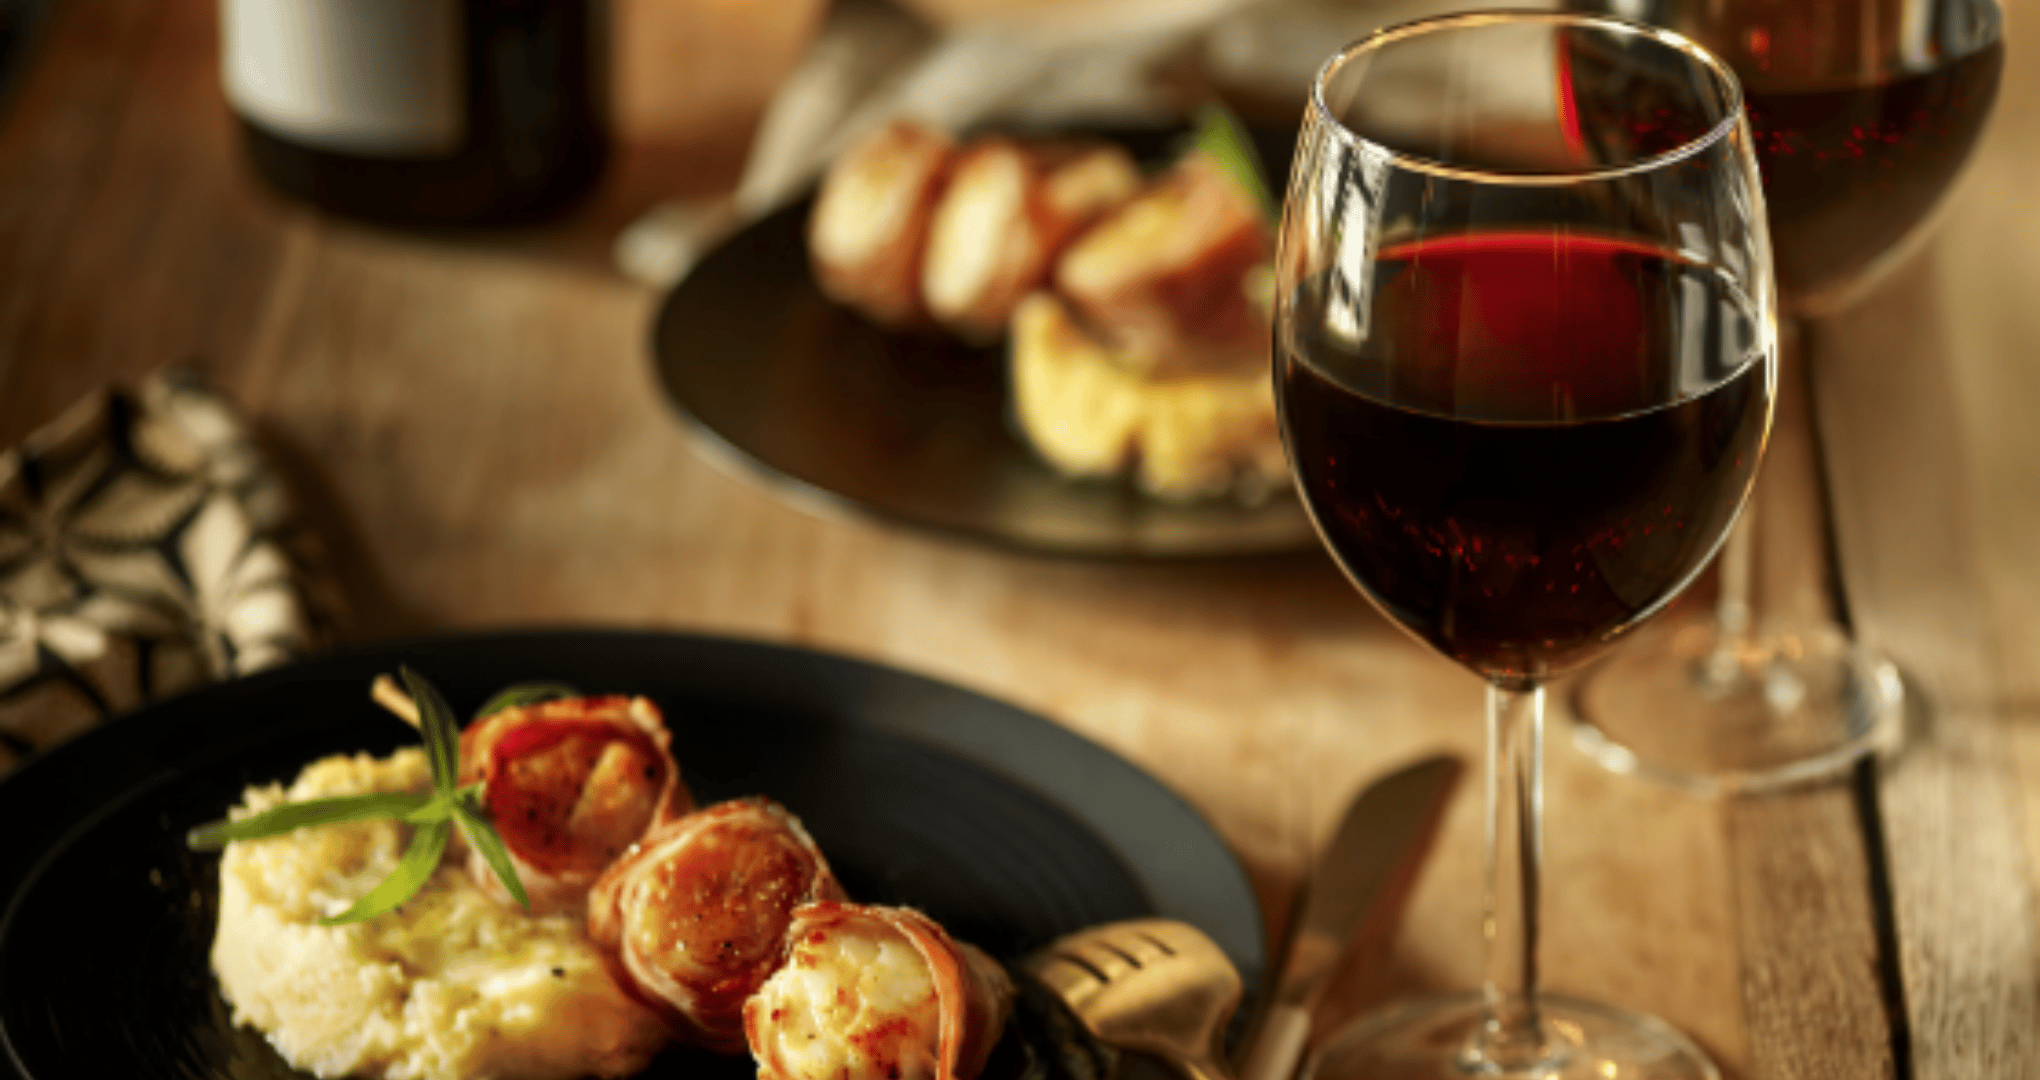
[[1512, 1039], [1721, 669], [1720, 672]]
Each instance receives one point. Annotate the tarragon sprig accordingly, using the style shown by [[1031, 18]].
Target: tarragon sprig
[[1221, 134], [436, 814]]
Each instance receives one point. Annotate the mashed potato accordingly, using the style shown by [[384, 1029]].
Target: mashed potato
[[450, 985]]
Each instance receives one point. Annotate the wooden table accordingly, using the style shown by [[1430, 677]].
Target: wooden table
[[474, 427]]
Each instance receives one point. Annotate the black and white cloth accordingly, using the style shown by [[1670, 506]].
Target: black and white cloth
[[145, 548]]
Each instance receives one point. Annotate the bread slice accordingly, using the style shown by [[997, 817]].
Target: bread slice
[[1167, 279], [1088, 414], [869, 225], [1007, 212]]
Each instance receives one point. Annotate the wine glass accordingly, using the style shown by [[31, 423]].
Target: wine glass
[[1864, 112], [1525, 359]]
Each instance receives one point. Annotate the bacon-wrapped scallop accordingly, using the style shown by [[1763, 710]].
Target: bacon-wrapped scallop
[[868, 230], [1009, 209], [570, 785], [876, 993], [694, 918], [1167, 280]]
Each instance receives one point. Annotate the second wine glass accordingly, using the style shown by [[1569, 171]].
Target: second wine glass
[[1525, 358], [1863, 112]]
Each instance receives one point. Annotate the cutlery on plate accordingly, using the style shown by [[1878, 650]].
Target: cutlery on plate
[[1355, 893], [1155, 985]]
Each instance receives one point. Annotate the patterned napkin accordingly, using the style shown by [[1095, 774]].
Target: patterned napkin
[[145, 548]]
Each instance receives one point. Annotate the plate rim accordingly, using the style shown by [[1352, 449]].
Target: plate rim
[[1016, 747]]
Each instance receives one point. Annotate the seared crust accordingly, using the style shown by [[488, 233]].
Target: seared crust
[[869, 225], [569, 785], [1165, 279], [1009, 209], [973, 995], [694, 917]]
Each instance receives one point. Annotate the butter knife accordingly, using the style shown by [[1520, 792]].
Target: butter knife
[[1355, 892]]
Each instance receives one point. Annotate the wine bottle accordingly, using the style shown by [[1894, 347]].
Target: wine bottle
[[420, 111]]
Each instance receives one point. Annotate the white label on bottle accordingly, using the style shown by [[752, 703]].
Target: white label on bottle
[[374, 77]]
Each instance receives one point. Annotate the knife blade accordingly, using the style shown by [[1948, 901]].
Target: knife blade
[[1355, 892]]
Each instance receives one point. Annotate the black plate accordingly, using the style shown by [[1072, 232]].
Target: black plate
[[912, 428], [1007, 828]]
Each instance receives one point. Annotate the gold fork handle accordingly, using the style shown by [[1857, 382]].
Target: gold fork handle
[[1204, 1067], [1273, 1054]]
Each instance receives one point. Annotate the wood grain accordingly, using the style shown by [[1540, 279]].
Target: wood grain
[[1941, 518], [1962, 892], [1982, 283], [472, 424], [1806, 914], [1811, 984]]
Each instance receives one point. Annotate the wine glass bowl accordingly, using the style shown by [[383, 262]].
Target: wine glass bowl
[[1864, 112], [1519, 398], [1500, 465], [1525, 365]]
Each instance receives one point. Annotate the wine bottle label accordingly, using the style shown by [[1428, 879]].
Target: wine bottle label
[[380, 78]]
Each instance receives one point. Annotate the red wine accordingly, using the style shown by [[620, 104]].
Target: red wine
[[1861, 114], [1538, 440], [1849, 171], [420, 111]]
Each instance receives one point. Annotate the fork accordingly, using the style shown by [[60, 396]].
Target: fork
[[1154, 985]]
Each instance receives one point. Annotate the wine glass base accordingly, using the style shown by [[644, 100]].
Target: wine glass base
[[1429, 1038], [1795, 705]]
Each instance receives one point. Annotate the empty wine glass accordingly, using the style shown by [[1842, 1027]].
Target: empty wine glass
[[1525, 358]]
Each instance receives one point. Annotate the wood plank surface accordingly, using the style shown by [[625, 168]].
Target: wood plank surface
[[471, 423], [1806, 911], [1959, 853]]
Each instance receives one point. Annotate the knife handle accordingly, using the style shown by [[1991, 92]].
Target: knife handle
[[1279, 1045]]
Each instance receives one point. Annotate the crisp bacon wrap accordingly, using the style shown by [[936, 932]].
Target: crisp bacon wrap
[[570, 785], [1166, 280], [694, 918], [876, 993]]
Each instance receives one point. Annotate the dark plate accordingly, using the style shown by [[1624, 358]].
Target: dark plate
[[1007, 828], [912, 428]]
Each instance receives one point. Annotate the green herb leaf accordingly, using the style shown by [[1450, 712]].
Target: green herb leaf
[[435, 814], [297, 815], [441, 731], [523, 694], [428, 844], [482, 837], [1225, 138], [438, 809]]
